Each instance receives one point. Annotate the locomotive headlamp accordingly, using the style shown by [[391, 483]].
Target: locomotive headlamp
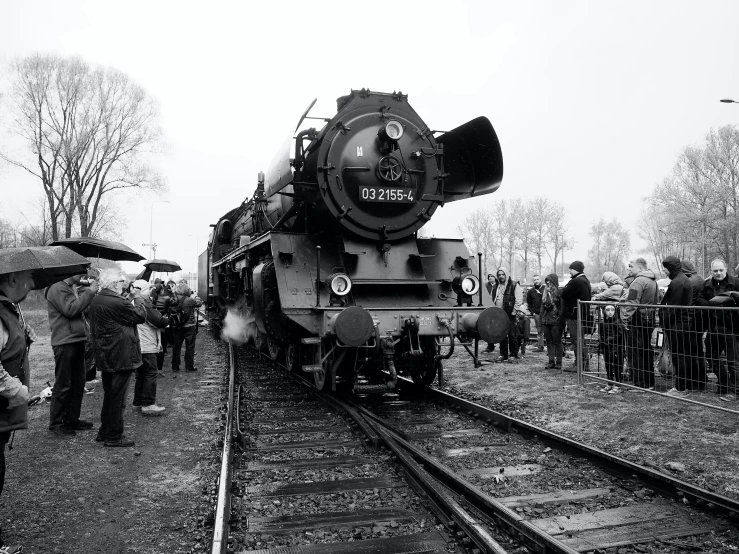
[[394, 130], [340, 284], [467, 285], [391, 132], [470, 285]]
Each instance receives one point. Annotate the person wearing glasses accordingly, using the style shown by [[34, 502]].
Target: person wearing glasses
[[113, 326]]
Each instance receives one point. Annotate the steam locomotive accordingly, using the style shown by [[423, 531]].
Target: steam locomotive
[[326, 258]]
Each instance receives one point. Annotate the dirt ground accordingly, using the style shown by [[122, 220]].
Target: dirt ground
[[75, 495], [639, 426]]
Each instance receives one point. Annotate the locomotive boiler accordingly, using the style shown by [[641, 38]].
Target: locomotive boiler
[[326, 258]]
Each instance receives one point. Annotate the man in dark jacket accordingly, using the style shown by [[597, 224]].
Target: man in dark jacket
[[696, 323], [676, 322], [578, 288], [721, 327], [639, 321], [113, 321], [15, 337], [186, 333], [533, 301], [68, 335], [506, 294]]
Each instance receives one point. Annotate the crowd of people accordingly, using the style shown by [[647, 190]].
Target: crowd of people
[[633, 321], [98, 322]]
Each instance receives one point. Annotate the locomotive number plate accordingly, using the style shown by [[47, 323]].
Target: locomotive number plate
[[387, 194]]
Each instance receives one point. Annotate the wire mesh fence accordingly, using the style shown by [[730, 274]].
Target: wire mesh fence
[[690, 353]]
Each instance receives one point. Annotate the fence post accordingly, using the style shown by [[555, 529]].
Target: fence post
[[578, 344]]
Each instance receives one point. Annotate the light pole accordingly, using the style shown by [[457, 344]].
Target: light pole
[[151, 245]]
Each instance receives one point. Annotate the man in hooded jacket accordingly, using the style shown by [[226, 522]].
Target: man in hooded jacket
[[507, 294], [615, 287], [639, 321], [676, 323]]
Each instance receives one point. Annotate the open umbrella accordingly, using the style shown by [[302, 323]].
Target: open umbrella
[[157, 264], [49, 264], [99, 248]]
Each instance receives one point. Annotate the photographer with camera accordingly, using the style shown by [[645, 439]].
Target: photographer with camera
[[68, 335]]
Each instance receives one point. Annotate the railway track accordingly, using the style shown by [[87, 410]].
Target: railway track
[[306, 481]]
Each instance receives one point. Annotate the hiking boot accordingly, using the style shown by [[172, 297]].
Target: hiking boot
[[558, 365], [153, 410], [501, 359], [62, 431], [122, 442], [550, 365], [81, 425]]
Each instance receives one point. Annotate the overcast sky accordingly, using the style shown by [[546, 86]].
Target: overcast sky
[[592, 101]]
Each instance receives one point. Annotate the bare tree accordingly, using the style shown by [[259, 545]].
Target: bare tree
[[611, 242], [477, 230], [558, 237], [90, 132]]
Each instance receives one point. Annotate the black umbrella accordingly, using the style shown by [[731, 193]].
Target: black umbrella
[[49, 264], [99, 248], [159, 264]]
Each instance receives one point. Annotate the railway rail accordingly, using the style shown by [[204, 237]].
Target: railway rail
[[497, 484]]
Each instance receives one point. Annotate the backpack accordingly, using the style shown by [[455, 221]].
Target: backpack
[[178, 318]]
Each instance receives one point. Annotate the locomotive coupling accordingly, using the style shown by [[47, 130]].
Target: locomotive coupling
[[492, 324]]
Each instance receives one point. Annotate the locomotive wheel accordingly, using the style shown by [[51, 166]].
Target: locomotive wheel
[[425, 368], [273, 348]]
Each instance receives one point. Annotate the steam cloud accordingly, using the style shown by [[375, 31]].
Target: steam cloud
[[239, 326]]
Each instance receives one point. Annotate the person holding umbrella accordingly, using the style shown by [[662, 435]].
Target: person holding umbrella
[[15, 338], [22, 270]]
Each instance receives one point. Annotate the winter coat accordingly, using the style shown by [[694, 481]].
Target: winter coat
[[189, 305], [512, 297], [65, 307], [717, 320], [679, 293], [696, 281], [551, 302], [611, 333], [14, 369], [113, 321], [642, 290], [578, 288], [533, 298], [150, 334], [614, 290], [164, 300]]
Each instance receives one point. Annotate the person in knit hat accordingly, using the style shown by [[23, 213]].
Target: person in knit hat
[[578, 288], [150, 340]]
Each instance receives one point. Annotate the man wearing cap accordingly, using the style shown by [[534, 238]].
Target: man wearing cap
[[150, 339], [577, 288], [15, 338], [68, 335]]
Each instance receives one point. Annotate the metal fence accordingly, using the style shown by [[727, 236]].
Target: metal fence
[[689, 353]]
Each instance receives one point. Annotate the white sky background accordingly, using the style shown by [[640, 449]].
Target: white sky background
[[592, 101]]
